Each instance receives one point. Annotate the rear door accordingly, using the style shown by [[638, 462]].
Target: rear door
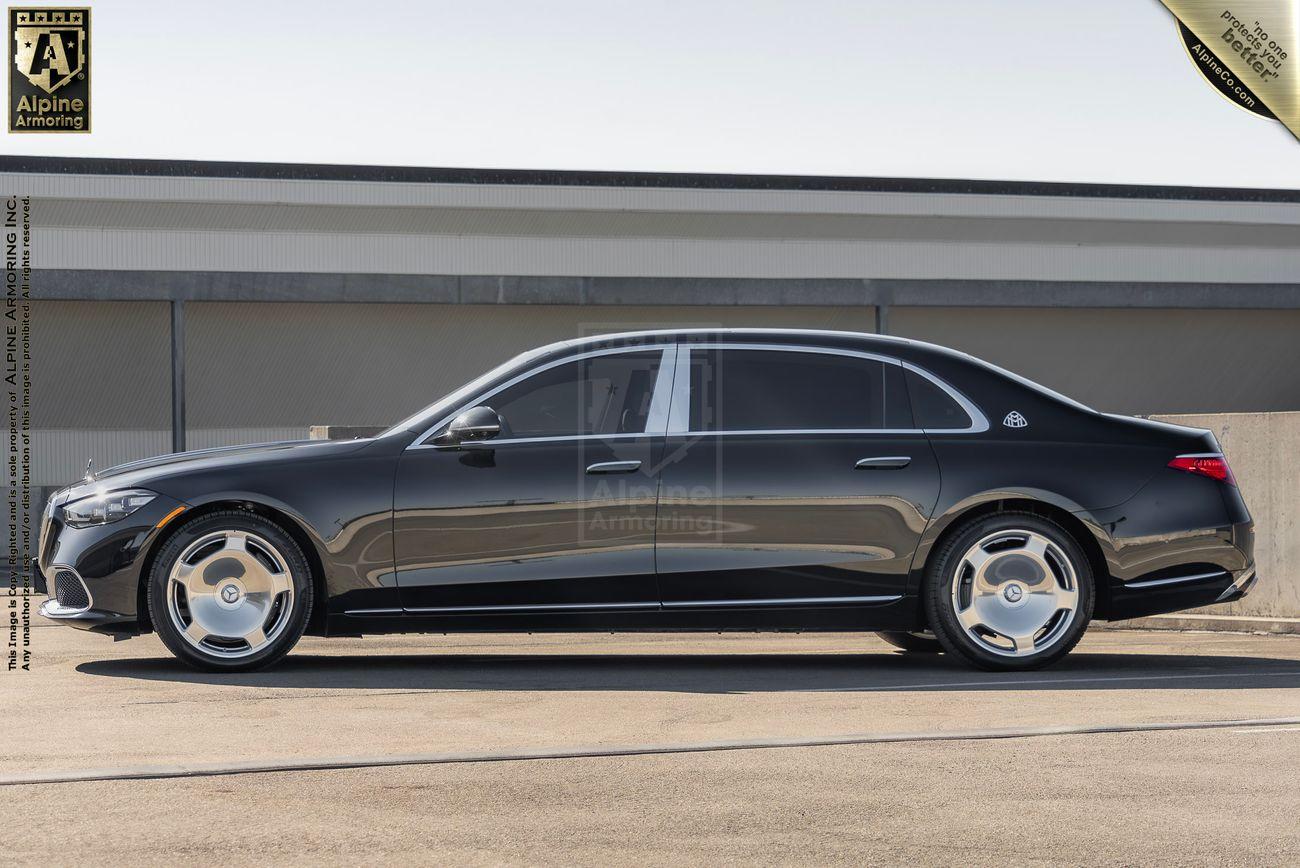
[[792, 476]]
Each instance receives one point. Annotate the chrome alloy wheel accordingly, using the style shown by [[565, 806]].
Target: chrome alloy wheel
[[230, 593], [1015, 593]]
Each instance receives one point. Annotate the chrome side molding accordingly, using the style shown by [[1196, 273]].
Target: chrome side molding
[[1177, 580]]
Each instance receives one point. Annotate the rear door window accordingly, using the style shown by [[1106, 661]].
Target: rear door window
[[774, 390]]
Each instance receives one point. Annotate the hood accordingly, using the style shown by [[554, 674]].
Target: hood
[[146, 470]]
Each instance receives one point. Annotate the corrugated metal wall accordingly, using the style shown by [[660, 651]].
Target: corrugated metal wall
[[277, 225], [258, 368], [1131, 361], [267, 371], [259, 372], [101, 385]]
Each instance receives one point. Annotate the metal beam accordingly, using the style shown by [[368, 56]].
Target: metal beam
[[141, 285], [178, 375]]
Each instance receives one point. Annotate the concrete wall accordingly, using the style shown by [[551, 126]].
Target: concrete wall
[[1262, 450]]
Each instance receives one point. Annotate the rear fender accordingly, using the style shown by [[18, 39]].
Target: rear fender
[[1080, 521]]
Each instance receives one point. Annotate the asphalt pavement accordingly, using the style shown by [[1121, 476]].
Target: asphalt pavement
[[662, 749]]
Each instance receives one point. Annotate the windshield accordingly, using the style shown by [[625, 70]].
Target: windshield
[[430, 414]]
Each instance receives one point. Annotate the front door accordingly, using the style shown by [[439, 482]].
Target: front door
[[792, 477], [558, 514]]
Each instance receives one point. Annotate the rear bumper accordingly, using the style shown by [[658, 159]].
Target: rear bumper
[[1175, 593]]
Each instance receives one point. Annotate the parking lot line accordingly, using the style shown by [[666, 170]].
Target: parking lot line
[[356, 762]]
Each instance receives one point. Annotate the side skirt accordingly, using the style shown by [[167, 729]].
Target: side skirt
[[897, 613]]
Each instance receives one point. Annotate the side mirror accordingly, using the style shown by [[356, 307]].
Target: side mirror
[[475, 424]]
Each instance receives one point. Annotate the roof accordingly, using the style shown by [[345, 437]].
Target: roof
[[649, 180], [819, 335]]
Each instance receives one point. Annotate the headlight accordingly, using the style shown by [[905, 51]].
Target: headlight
[[105, 508]]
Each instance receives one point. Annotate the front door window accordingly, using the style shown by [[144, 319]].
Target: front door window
[[598, 395]]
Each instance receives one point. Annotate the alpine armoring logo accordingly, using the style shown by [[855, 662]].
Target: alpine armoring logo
[[49, 79]]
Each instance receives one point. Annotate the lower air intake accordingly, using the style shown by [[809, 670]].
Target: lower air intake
[[69, 591]]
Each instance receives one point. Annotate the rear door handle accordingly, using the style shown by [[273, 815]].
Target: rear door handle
[[614, 467], [887, 462]]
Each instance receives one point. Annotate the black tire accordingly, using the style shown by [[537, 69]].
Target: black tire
[[289, 626], [917, 643], [942, 609]]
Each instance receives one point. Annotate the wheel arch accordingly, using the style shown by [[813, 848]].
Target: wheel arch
[[1075, 520], [281, 517]]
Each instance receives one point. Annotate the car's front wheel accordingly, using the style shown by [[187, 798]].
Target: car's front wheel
[[1009, 591], [230, 591]]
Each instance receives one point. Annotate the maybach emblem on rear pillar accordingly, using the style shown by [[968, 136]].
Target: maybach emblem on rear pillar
[[1015, 420]]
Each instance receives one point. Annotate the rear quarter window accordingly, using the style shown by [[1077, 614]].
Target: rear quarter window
[[933, 408]]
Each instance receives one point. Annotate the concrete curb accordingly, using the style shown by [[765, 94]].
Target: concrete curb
[[1211, 623]]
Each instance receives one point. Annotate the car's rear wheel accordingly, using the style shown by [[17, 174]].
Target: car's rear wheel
[[1009, 591], [919, 642], [230, 591]]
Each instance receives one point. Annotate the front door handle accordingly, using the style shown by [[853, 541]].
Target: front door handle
[[888, 462], [614, 467]]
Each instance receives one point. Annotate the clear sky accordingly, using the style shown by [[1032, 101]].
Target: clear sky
[[1073, 90]]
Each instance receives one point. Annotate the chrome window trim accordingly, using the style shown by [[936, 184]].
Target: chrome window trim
[[679, 421], [679, 416], [558, 438], [656, 421], [418, 442], [673, 393], [751, 432]]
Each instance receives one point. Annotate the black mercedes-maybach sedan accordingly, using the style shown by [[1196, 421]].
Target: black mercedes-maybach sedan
[[672, 480]]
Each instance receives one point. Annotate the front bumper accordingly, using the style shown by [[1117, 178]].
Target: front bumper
[[94, 620], [70, 602], [92, 574]]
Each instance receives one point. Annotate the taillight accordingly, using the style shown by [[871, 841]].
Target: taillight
[[1214, 466]]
